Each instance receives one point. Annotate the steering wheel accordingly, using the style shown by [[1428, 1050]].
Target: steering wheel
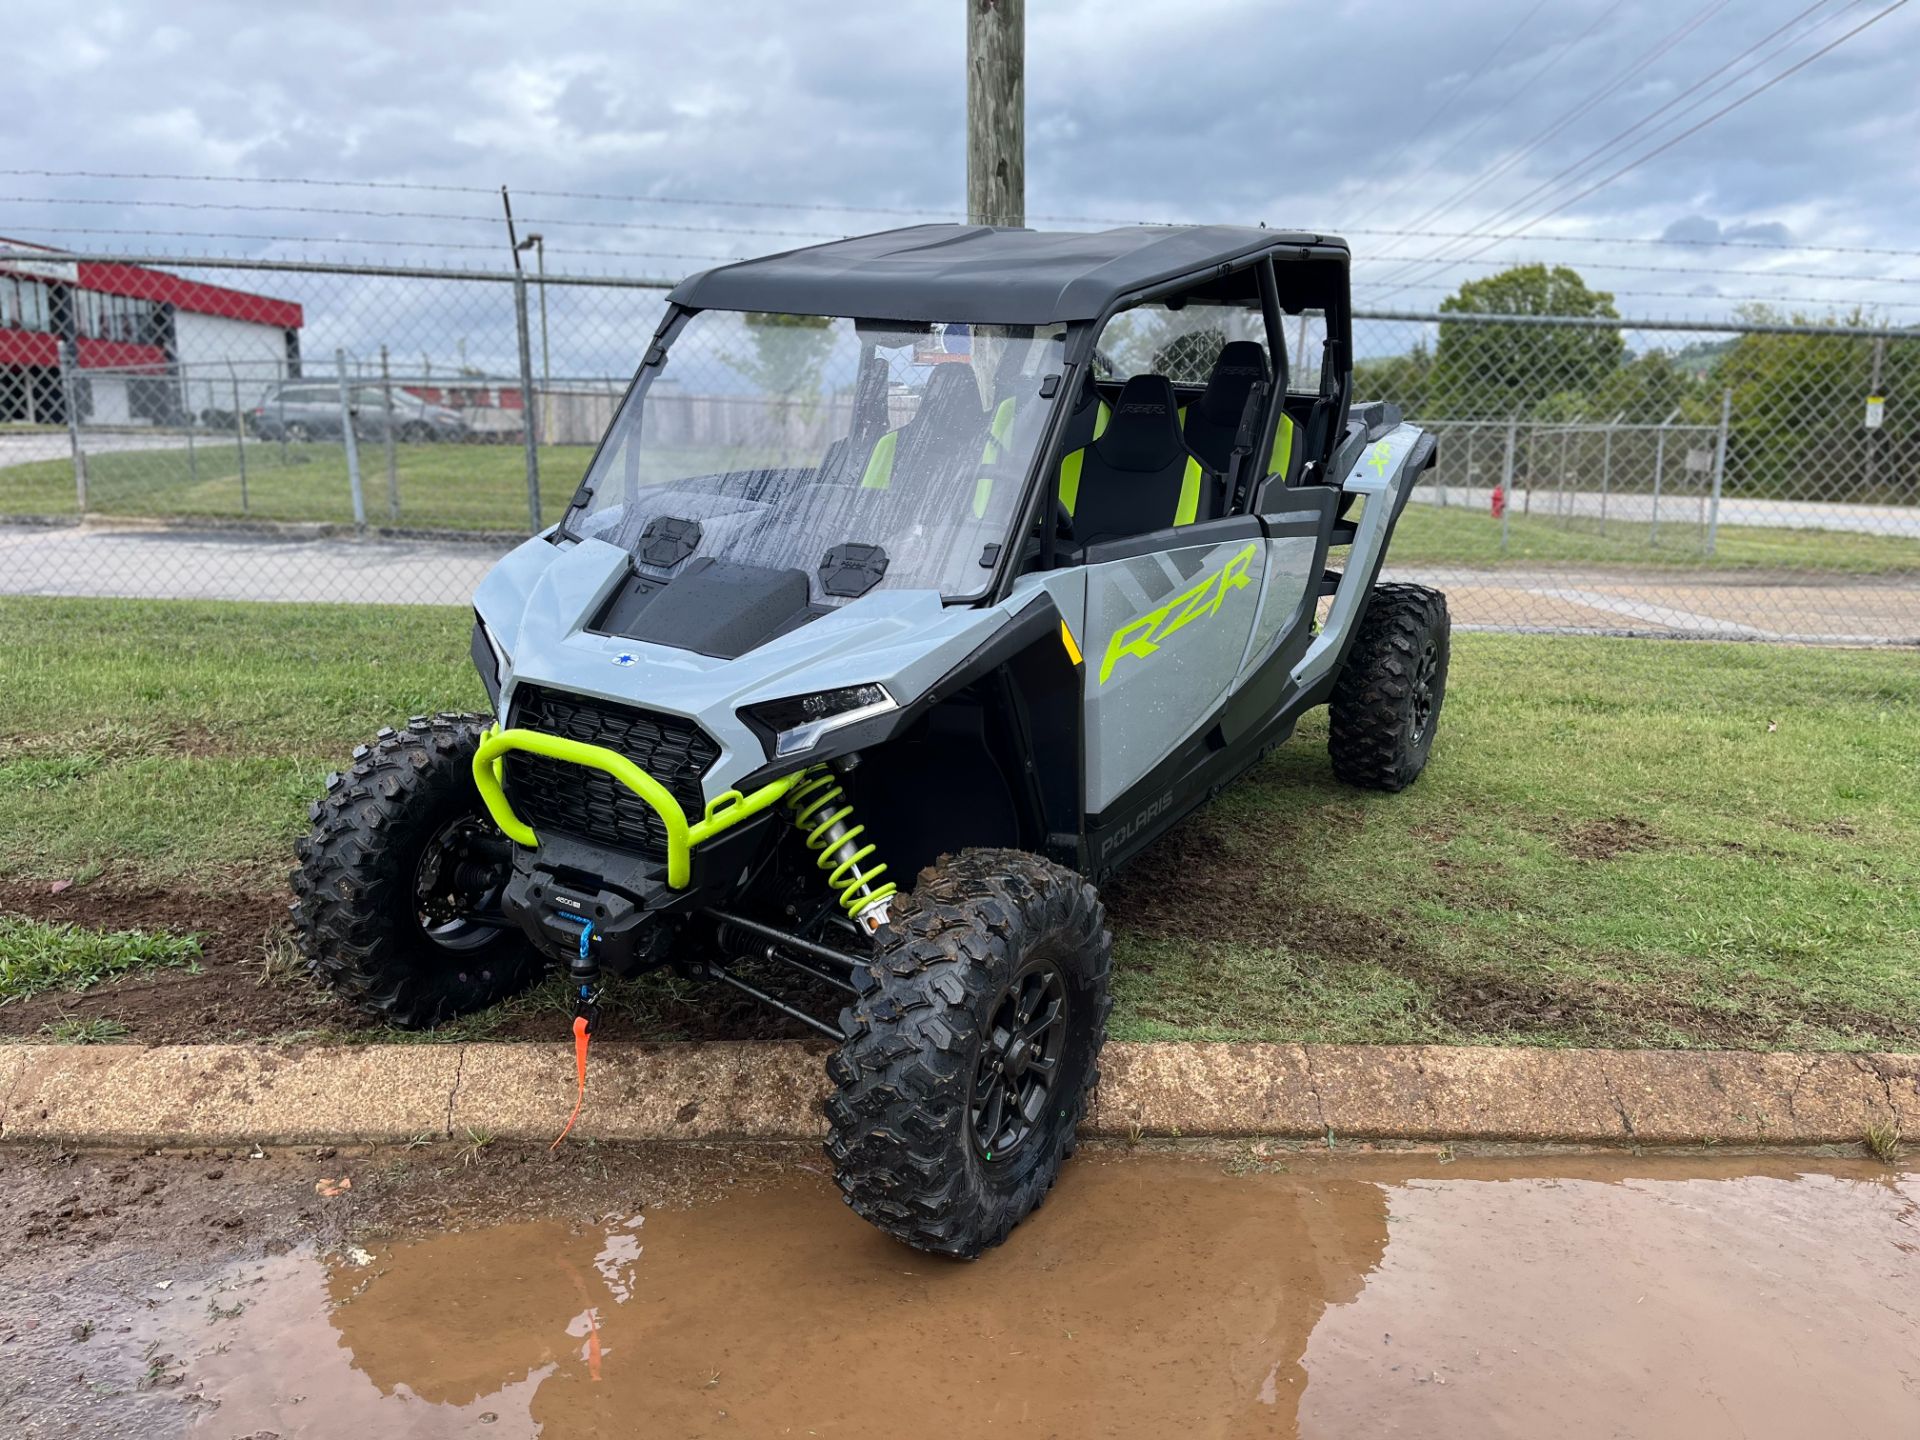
[[1062, 520]]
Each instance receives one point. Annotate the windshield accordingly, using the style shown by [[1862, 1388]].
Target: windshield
[[868, 454]]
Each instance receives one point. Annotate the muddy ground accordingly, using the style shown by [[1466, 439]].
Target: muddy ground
[[251, 984], [482, 1289]]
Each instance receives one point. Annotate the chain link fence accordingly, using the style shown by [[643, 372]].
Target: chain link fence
[[302, 432]]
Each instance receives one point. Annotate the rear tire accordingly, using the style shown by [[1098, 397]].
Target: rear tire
[[371, 913], [985, 949], [1386, 703]]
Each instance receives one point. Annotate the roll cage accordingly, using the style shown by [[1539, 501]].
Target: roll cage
[[1286, 274]]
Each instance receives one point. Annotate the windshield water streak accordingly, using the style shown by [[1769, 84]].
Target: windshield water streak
[[866, 454]]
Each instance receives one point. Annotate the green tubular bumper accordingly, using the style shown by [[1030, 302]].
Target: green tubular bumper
[[723, 811]]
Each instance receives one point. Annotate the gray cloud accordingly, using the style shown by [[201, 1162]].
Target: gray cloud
[[1211, 109]]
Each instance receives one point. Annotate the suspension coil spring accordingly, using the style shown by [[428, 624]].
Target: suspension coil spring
[[819, 809]]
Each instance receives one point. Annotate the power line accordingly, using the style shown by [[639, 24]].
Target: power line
[[1513, 93], [1694, 129], [1654, 53], [1451, 98], [1548, 185]]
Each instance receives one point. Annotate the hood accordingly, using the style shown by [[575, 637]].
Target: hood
[[540, 599]]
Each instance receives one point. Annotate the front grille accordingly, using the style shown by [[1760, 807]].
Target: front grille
[[577, 800]]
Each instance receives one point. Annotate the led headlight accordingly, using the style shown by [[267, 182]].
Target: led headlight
[[797, 724]]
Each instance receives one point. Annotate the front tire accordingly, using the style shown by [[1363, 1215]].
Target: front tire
[[1386, 704], [971, 1050], [397, 893]]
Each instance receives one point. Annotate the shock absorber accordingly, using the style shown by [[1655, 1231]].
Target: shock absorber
[[821, 811]]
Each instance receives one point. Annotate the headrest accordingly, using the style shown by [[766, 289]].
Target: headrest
[[951, 398], [1241, 364], [1144, 432]]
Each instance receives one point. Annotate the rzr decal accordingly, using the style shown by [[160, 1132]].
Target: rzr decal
[[1152, 630]]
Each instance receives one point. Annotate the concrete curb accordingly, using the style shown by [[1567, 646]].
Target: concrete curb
[[227, 1094]]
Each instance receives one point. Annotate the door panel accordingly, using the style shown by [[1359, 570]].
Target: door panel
[[1166, 631]]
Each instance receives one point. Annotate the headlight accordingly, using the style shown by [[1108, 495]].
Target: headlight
[[489, 658], [797, 724]]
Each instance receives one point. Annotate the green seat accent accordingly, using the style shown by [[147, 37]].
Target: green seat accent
[[1282, 447], [880, 464], [1070, 466], [1188, 509], [997, 434]]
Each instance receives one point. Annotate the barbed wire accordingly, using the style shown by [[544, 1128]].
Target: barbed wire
[[950, 214], [319, 240], [458, 216]]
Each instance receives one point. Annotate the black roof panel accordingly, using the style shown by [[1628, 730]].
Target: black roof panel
[[981, 273]]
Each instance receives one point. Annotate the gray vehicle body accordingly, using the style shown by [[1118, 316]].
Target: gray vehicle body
[[293, 408], [538, 600], [1197, 647]]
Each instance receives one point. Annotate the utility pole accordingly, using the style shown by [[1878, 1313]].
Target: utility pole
[[997, 112]]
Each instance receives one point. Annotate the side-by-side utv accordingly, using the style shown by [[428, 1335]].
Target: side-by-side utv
[[922, 580]]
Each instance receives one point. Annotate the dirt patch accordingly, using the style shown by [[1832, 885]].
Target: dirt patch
[[250, 983], [228, 995], [1611, 838]]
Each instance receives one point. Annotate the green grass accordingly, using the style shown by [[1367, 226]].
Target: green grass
[[36, 957], [1456, 535], [439, 487], [483, 487], [454, 487], [1618, 842], [68, 1030]]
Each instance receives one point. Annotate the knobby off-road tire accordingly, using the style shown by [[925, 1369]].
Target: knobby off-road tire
[[981, 931], [356, 913], [1386, 702]]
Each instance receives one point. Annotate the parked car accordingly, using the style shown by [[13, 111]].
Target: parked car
[[310, 410]]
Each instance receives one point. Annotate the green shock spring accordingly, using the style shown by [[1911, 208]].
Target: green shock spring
[[820, 810]]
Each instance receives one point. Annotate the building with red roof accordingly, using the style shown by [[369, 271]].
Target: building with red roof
[[149, 346]]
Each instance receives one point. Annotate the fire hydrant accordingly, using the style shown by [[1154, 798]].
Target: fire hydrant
[[1499, 502]]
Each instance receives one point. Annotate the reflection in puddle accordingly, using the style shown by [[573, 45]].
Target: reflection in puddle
[[1153, 1296]]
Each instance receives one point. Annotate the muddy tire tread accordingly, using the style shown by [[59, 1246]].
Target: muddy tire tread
[[345, 884], [899, 1110]]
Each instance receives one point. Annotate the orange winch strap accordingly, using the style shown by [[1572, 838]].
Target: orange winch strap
[[581, 1035]]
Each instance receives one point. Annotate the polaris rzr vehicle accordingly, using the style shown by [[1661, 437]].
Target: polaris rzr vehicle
[[922, 580]]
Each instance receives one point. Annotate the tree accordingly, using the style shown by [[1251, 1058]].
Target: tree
[[789, 356], [789, 352], [1799, 402], [1494, 371], [1404, 380]]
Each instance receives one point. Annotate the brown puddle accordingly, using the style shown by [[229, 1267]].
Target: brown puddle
[[1155, 1295]]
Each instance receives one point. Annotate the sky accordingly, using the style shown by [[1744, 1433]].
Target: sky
[[736, 127]]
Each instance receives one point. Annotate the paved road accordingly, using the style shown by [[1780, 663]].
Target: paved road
[[1690, 510], [483, 1290], [236, 565]]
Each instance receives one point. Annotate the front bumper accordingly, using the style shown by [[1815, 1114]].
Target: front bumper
[[610, 919], [722, 813]]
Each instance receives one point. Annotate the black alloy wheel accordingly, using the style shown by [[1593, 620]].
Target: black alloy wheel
[[1019, 1060]]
